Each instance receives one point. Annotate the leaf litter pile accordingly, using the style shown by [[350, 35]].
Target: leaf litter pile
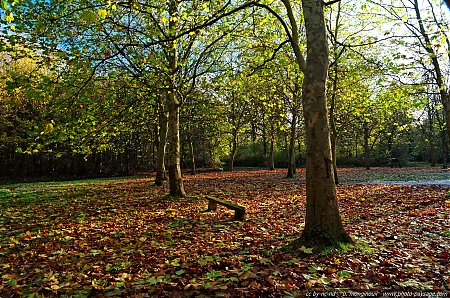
[[124, 237]]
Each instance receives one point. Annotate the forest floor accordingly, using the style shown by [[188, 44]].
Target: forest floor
[[124, 237]]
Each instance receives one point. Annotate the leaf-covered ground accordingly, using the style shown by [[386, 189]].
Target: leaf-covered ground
[[123, 237]]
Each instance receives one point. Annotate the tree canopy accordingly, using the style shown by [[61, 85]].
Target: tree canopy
[[92, 87]]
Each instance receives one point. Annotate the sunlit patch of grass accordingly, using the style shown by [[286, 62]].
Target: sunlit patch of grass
[[76, 182], [345, 248], [23, 197], [4, 193]]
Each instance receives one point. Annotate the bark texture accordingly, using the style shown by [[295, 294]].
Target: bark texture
[[192, 153], [291, 165], [161, 154], [233, 150], [176, 187], [323, 225]]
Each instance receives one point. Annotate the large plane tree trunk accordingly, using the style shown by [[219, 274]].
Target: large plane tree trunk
[[176, 187], [323, 224]]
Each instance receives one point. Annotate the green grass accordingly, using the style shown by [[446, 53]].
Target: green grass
[[19, 197], [70, 182], [345, 248], [20, 194]]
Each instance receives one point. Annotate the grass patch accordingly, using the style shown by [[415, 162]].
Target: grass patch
[[18, 197], [74, 182], [345, 248]]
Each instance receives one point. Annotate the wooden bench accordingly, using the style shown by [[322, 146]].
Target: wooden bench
[[239, 211]]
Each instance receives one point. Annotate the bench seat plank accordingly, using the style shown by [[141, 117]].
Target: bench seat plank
[[239, 211]]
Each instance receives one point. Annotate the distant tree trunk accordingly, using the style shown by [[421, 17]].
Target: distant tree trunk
[[438, 75], [155, 144], [444, 149], [161, 153], [432, 155], [299, 145], [366, 146], [176, 187], [333, 135], [192, 153], [443, 136], [270, 159], [291, 154], [264, 136], [333, 140], [446, 99], [323, 224], [234, 143]]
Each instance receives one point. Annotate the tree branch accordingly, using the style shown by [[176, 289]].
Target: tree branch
[[330, 2], [280, 46]]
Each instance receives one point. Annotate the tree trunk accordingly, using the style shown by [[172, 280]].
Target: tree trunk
[[161, 153], [323, 224], [445, 96], [333, 154], [270, 159], [366, 146], [438, 75], [432, 155], [444, 149], [264, 136], [191, 147], [155, 144], [291, 154], [333, 135], [333, 128], [233, 150], [176, 187]]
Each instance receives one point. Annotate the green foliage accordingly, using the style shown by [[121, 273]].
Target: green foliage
[[88, 81], [447, 233], [345, 248]]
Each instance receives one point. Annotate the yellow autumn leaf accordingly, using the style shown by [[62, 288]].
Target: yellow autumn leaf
[[102, 13], [9, 18]]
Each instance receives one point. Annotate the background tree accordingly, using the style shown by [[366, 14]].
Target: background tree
[[427, 44]]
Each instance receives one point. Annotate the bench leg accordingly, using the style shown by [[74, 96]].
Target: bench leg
[[212, 206], [239, 214]]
